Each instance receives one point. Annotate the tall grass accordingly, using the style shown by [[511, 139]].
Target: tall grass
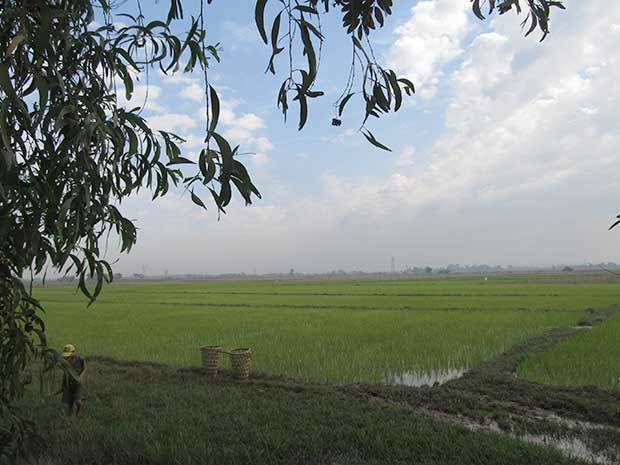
[[590, 357], [144, 415], [353, 334]]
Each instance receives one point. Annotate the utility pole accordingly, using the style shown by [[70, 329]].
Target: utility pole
[[392, 265]]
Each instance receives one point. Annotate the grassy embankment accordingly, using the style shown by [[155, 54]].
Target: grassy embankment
[[149, 415]]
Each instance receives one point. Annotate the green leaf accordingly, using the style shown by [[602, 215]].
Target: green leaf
[[371, 138], [5, 81], [99, 275], [225, 193], [306, 9], [127, 80], [398, 95], [217, 200], [408, 85], [4, 125], [108, 268], [62, 213], [314, 30], [190, 34], [202, 162], [476, 9], [197, 200], [275, 31], [303, 110], [259, 17], [226, 152], [83, 288], [210, 171], [308, 48], [180, 161], [153, 24], [215, 109], [343, 102]]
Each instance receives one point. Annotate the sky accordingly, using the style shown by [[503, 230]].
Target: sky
[[507, 154]]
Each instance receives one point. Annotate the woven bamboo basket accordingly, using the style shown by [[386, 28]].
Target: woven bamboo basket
[[240, 361], [211, 359]]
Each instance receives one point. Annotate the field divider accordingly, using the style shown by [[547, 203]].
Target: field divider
[[321, 307]]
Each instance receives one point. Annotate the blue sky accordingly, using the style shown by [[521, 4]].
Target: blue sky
[[504, 156]]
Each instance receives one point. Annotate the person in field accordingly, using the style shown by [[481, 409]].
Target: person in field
[[72, 388]]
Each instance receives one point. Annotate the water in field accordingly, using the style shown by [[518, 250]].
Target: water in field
[[424, 378], [570, 447]]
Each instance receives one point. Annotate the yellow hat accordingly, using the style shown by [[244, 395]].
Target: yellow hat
[[68, 350]]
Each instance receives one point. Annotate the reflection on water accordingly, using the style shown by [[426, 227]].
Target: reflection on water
[[424, 378], [571, 447]]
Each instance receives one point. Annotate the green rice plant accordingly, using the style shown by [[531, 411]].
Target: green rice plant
[[420, 294], [590, 357], [351, 331]]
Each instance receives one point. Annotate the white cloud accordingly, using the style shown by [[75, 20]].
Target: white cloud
[[239, 35], [263, 144], [191, 88], [193, 141], [227, 110], [406, 156], [242, 128], [260, 159], [428, 40], [172, 122], [142, 96], [176, 78], [194, 91]]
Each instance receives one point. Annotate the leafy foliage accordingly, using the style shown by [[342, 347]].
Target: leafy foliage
[[537, 15], [69, 153], [381, 89]]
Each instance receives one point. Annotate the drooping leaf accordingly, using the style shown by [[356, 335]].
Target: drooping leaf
[[259, 17], [371, 138], [476, 9], [343, 103], [409, 87], [215, 109], [181, 161], [226, 152], [197, 200], [275, 31], [303, 110]]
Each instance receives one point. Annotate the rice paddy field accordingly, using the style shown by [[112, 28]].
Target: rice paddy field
[[329, 361], [347, 331], [590, 357]]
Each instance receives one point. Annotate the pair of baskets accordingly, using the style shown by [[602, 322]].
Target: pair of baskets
[[240, 360]]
